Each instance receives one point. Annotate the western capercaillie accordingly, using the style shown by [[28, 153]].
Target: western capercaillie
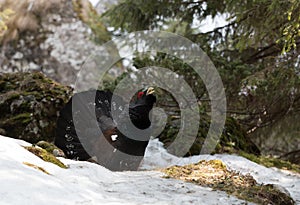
[[86, 128]]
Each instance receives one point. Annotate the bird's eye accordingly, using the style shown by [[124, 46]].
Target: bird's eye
[[140, 94]]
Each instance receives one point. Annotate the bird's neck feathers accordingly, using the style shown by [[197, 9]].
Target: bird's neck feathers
[[139, 111], [139, 116]]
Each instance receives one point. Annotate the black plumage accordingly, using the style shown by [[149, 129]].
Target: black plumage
[[86, 129]]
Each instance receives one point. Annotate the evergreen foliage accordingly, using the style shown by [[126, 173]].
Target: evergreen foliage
[[247, 51], [256, 52]]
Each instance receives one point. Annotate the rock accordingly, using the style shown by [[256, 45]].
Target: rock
[[58, 153], [58, 48], [18, 56], [103, 5], [2, 132], [29, 105], [51, 148]]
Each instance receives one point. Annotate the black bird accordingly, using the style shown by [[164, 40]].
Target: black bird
[[86, 129]]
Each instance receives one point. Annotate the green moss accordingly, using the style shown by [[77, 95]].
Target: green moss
[[49, 147], [271, 162], [22, 119], [214, 174], [29, 105], [13, 95], [46, 156]]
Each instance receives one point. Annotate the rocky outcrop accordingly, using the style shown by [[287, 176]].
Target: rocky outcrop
[[58, 47], [29, 105]]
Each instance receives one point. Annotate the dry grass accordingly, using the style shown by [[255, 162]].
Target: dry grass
[[36, 167], [214, 174]]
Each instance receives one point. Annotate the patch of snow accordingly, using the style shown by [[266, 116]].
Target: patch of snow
[[88, 184], [156, 157], [94, 2]]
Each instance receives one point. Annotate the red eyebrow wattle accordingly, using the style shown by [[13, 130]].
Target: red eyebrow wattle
[[140, 94]]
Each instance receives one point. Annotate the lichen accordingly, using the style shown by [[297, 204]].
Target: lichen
[[215, 175]]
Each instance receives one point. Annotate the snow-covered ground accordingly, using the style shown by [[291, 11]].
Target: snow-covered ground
[[85, 183]]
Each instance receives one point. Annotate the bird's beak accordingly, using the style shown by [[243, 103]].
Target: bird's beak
[[150, 91]]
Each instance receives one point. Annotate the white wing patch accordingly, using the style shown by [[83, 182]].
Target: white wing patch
[[114, 137]]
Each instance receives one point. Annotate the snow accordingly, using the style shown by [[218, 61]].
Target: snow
[[86, 183], [285, 179], [94, 2]]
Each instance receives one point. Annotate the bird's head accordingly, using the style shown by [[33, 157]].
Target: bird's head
[[139, 109], [146, 96]]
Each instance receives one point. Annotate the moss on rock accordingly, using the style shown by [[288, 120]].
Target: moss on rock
[[46, 156], [29, 105], [49, 147]]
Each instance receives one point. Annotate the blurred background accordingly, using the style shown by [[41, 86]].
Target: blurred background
[[253, 44]]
